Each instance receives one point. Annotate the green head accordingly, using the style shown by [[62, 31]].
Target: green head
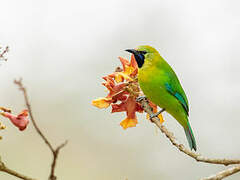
[[143, 53]]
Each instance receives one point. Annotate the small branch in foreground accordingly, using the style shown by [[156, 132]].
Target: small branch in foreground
[[145, 105], [5, 169], [223, 174], [55, 152]]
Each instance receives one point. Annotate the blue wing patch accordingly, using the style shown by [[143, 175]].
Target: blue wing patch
[[178, 96]]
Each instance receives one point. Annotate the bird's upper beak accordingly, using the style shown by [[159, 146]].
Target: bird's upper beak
[[133, 51]]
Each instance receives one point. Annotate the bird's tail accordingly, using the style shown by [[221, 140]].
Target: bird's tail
[[190, 137]]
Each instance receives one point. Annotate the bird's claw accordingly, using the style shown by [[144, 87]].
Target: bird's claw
[[156, 114], [141, 98], [153, 116]]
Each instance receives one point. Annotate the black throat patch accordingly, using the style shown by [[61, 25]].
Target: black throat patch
[[140, 58]]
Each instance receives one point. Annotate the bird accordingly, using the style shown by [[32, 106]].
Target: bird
[[160, 84]]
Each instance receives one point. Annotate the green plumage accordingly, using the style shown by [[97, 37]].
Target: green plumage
[[160, 84]]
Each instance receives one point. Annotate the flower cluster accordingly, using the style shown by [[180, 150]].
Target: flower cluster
[[123, 90]]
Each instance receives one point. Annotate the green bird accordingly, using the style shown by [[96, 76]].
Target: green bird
[[160, 84]]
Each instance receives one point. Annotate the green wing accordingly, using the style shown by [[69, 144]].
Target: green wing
[[174, 88], [172, 84]]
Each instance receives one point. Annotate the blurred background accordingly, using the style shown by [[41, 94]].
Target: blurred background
[[62, 48]]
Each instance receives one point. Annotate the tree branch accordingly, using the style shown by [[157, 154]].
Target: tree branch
[[223, 174], [145, 105], [55, 152], [5, 169], [147, 108]]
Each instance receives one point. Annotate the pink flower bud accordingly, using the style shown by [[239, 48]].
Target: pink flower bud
[[21, 120]]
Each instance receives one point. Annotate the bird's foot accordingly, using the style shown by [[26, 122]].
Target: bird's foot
[[141, 98], [156, 114]]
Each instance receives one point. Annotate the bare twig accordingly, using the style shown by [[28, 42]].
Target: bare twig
[[223, 174], [55, 152], [23, 89], [3, 53], [5, 169], [55, 155]]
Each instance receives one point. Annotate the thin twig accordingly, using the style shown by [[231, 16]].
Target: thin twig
[[23, 89], [55, 152], [223, 174], [5, 169], [3, 53], [55, 155], [145, 105]]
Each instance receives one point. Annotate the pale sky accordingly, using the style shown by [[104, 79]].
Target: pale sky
[[61, 49]]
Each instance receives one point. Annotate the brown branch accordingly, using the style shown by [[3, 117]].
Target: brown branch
[[55, 152], [23, 89], [223, 174], [3, 53], [145, 105], [55, 156], [5, 169]]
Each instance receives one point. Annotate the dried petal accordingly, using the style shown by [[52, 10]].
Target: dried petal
[[118, 107], [128, 122], [129, 69], [161, 118], [102, 102], [124, 62], [133, 62], [120, 76], [131, 107]]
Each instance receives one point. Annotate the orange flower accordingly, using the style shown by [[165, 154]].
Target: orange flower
[[131, 107], [123, 89]]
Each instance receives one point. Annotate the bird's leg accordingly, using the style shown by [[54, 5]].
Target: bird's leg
[[144, 98], [141, 98], [156, 114]]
